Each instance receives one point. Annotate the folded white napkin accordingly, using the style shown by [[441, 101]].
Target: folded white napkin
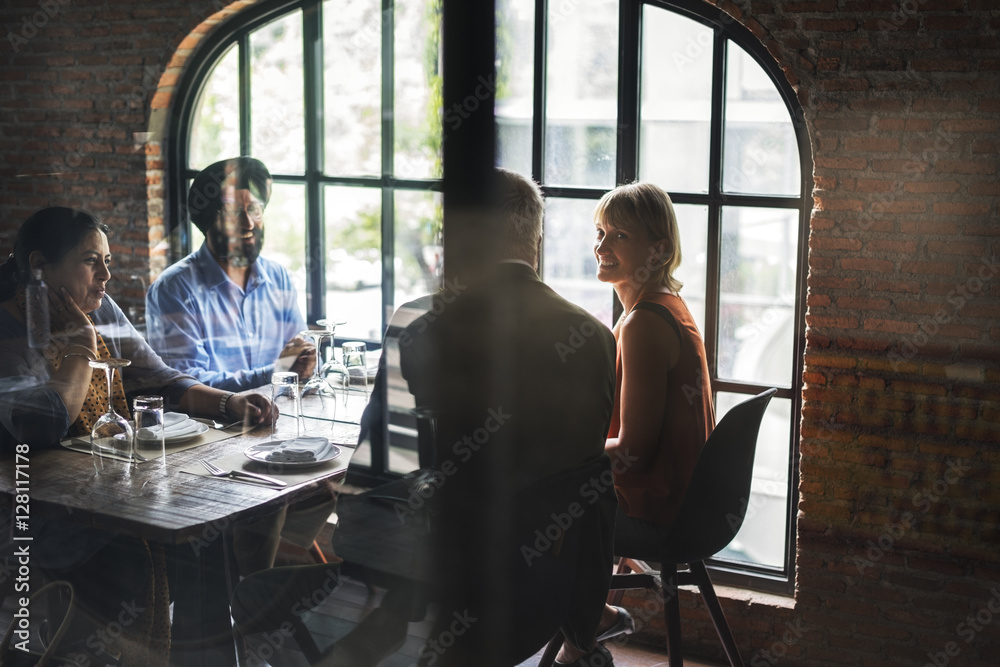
[[175, 425], [171, 418], [300, 450]]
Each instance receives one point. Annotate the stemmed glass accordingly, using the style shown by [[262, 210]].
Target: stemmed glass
[[332, 370], [112, 433], [318, 398]]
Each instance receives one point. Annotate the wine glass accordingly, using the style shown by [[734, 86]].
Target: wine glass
[[112, 433], [332, 371], [318, 398]]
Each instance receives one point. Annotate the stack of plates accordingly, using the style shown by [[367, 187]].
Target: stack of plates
[[177, 427]]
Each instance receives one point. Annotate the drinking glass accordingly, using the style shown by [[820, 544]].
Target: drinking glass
[[332, 370], [285, 397], [149, 442], [317, 397], [112, 433], [354, 357]]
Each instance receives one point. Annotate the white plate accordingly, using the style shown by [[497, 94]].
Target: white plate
[[177, 439], [260, 451]]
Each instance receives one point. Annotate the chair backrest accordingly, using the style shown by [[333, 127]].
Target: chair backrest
[[717, 498]]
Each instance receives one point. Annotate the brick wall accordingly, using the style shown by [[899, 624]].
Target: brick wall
[[900, 467]]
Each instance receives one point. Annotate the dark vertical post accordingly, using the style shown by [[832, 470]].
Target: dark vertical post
[[469, 54]]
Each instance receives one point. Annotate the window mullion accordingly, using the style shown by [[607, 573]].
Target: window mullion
[[312, 48], [244, 93], [388, 159], [538, 92], [714, 246], [629, 83]]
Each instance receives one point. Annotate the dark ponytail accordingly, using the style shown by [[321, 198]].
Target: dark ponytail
[[53, 231]]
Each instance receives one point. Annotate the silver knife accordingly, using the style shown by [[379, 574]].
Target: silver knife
[[256, 476]]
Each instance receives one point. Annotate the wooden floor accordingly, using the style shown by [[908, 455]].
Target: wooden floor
[[349, 604]]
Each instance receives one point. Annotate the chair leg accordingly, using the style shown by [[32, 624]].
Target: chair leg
[[615, 595], [551, 650], [672, 614], [700, 574], [317, 553]]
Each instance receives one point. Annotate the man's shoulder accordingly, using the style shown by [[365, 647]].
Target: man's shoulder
[[183, 270], [273, 270]]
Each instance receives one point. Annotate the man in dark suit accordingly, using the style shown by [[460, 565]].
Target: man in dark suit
[[522, 383]]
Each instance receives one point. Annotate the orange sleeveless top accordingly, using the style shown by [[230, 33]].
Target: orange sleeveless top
[[652, 490]]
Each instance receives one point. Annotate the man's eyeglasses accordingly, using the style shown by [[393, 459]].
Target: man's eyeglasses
[[253, 210]]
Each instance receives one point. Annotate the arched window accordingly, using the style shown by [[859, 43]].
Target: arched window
[[595, 93], [341, 99]]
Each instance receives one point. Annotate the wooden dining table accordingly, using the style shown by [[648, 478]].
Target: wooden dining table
[[191, 513]]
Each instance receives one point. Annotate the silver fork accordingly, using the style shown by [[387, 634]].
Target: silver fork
[[216, 471]]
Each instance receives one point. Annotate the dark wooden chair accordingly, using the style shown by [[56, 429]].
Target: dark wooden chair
[[709, 518]]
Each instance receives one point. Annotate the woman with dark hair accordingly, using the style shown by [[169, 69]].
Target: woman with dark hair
[[49, 391], [52, 392]]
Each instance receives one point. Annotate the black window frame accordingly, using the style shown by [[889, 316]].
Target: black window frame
[[725, 29]]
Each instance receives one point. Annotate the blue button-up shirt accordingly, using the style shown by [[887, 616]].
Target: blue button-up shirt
[[204, 324]]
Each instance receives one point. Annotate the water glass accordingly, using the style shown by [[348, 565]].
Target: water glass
[[356, 394], [149, 442], [285, 397]]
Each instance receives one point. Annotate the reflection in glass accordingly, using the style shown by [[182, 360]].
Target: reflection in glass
[[285, 233], [582, 89], [277, 132], [417, 90], [354, 260], [215, 133], [692, 223], [418, 252], [761, 539], [757, 295], [515, 83], [568, 263], [761, 155], [676, 104], [352, 75]]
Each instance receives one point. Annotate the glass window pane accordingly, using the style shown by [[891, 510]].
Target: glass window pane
[[676, 104], [761, 539], [354, 261], [285, 234], [215, 133], [417, 89], [515, 83], [277, 128], [568, 264], [352, 78], [761, 155], [582, 93], [757, 299], [418, 252], [692, 222]]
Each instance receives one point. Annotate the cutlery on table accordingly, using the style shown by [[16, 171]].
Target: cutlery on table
[[216, 471]]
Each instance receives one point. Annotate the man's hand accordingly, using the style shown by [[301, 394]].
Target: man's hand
[[299, 356], [252, 408]]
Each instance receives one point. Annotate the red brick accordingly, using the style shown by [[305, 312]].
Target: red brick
[[856, 264], [931, 187], [892, 246], [926, 267], [899, 207], [872, 144], [961, 208], [902, 166]]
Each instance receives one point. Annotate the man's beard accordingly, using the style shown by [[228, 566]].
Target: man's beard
[[240, 253]]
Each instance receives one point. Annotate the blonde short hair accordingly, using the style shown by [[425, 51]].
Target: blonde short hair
[[646, 207]]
